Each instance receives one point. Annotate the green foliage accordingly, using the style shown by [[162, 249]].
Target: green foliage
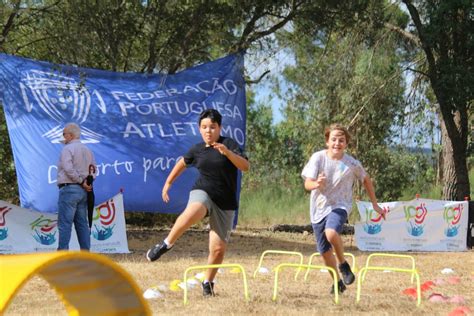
[[396, 171], [261, 143], [8, 183], [351, 76]]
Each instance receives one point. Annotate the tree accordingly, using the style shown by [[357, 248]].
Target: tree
[[443, 30], [352, 76]]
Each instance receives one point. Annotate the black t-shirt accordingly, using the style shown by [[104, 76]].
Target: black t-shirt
[[217, 174]]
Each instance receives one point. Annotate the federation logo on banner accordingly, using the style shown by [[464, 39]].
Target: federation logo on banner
[[452, 216], [45, 230], [415, 217], [103, 220], [373, 220], [62, 99], [3, 222]]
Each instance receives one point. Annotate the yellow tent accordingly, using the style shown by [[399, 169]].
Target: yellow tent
[[88, 284]]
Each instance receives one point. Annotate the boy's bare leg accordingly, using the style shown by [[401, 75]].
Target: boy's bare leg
[[333, 237], [193, 213], [330, 261], [336, 241], [217, 248]]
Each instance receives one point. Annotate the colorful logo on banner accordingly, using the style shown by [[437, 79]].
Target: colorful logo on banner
[[452, 216], [105, 216], [3, 229], [415, 217], [45, 230], [373, 221]]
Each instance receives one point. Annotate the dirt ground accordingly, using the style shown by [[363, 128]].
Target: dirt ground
[[381, 291]]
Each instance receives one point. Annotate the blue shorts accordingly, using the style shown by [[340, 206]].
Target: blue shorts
[[334, 220]]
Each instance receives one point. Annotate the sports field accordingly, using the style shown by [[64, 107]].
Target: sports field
[[382, 292]]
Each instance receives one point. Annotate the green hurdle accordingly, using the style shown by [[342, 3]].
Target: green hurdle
[[305, 266], [354, 268], [282, 252], [212, 266]]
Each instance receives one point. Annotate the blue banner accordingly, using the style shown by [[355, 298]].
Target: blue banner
[[137, 125]]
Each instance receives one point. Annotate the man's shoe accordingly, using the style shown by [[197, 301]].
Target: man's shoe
[[156, 252], [346, 272], [340, 287], [208, 289]]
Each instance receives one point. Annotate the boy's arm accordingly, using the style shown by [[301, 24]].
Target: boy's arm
[[369, 188], [175, 172], [239, 162]]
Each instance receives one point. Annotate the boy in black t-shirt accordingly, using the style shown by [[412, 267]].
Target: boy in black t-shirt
[[218, 160]]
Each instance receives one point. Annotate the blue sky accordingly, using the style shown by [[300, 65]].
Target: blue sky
[[257, 64]]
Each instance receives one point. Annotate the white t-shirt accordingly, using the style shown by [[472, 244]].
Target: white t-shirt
[[340, 176]]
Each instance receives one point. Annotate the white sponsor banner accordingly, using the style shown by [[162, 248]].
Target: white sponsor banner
[[23, 230], [417, 225]]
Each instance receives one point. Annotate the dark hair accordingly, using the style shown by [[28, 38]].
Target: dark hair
[[214, 115]]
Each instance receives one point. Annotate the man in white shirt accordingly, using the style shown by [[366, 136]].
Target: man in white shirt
[[73, 169]]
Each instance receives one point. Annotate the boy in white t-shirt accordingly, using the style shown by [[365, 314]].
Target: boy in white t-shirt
[[329, 175]]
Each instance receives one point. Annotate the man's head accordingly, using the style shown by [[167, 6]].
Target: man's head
[[71, 131]]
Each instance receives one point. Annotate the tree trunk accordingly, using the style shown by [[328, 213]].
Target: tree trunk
[[439, 166], [455, 176], [446, 59]]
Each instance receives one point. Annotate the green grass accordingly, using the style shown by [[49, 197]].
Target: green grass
[[273, 204], [431, 192], [264, 206]]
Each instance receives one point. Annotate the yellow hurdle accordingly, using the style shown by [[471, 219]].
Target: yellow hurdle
[[364, 270], [391, 255], [414, 274], [215, 266], [87, 283], [305, 266], [281, 252], [354, 268]]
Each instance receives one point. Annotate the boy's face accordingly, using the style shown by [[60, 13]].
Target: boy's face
[[210, 131], [336, 143]]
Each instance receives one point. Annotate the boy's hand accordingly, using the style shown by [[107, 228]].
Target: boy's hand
[[223, 150], [321, 181], [380, 210], [164, 193]]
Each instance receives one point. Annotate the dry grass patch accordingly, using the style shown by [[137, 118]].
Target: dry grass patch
[[381, 292]]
